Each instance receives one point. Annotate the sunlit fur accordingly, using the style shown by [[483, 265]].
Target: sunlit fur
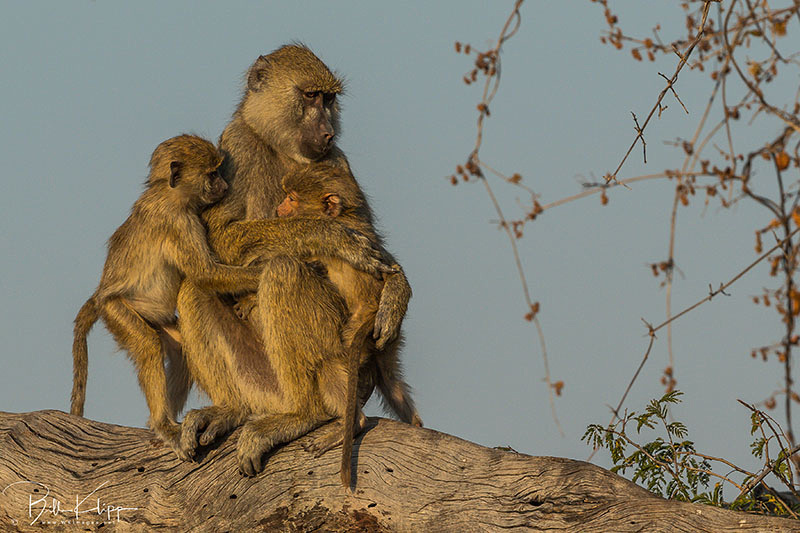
[[162, 242], [283, 76], [241, 365], [309, 189]]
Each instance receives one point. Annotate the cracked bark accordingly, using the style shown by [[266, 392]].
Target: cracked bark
[[407, 479]]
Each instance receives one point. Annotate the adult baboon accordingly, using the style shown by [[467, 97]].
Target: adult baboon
[[287, 118], [162, 241], [321, 191]]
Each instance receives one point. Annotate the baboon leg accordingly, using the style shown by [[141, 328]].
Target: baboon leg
[[332, 382], [209, 332], [212, 421], [143, 344], [299, 316], [394, 390], [179, 380], [212, 339], [261, 435]]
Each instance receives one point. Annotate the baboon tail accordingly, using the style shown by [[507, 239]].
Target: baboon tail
[[353, 364], [84, 321]]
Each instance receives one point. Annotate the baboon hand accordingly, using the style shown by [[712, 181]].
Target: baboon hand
[[392, 308], [365, 256], [244, 306], [384, 331]]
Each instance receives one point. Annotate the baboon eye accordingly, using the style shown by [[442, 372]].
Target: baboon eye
[[311, 95]]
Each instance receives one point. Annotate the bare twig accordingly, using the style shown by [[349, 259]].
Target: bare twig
[[640, 135], [783, 115], [489, 63], [651, 330], [670, 84], [728, 284]]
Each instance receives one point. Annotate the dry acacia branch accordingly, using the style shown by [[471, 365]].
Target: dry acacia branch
[[408, 479], [670, 83], [788, 118], [652, 330], [593, 188], [722, 288], [489, 62]]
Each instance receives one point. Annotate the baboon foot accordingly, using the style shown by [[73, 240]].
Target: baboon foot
[[170, 434], [201, 427], [250, 451], [323, 441]]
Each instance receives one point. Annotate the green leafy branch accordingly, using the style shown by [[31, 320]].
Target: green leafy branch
[[670, 465]]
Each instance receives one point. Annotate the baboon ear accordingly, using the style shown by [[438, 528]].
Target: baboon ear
[[332, 205], [174, 172], [257, 74]]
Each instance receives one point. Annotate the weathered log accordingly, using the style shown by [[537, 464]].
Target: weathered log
[[407, 479]]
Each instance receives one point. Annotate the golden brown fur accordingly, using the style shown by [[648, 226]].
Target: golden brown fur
[[288, 118], [162, 242], [324, 191]]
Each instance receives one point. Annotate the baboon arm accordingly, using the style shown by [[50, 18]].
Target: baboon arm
[[392, 308], [221, 278], [251, 241], [197, 264]]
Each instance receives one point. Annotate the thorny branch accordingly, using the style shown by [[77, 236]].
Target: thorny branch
[[488, 64], [770, 466], [651, 330], [711, 42], [731, 37], [670, 83]]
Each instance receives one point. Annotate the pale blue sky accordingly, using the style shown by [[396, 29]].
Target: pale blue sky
[[88, 89]]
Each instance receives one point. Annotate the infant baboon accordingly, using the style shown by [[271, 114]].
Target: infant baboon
[[162, 241], [324, 191]]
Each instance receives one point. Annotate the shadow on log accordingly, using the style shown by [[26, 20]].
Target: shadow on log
[[407, 479]]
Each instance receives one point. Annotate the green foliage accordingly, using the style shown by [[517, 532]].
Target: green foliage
[[666, 466], [670, 466]]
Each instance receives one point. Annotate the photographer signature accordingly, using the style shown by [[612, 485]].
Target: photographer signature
[[43, 505]]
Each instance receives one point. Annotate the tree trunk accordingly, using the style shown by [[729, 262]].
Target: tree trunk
[[406, 479]]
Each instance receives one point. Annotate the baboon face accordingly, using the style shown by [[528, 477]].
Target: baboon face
[[320, 190], [203, 184], [316, 129], [214, 188], [327, 204], [290, 102]]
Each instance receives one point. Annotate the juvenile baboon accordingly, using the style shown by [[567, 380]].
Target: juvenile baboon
[[288, 117], [162, 241], [322, 191]]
